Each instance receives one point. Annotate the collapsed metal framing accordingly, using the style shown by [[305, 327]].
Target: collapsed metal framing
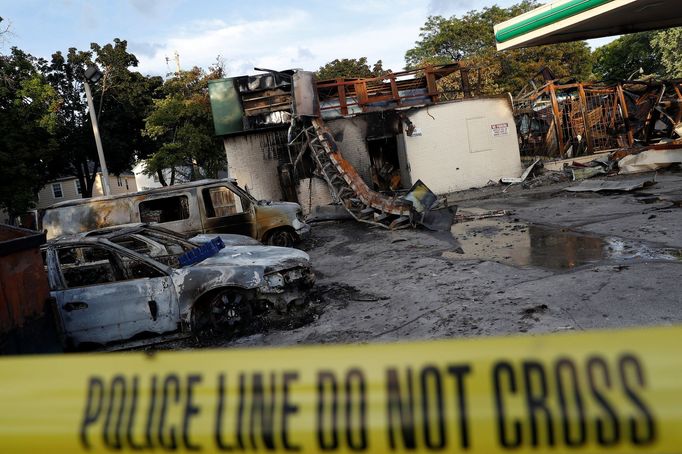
[[395, 90], [567, 120]]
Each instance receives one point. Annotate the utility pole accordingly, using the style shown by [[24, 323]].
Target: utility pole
[[177, 62], [94, 75]]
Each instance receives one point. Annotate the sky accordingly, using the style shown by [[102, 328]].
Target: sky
[[245, 34]]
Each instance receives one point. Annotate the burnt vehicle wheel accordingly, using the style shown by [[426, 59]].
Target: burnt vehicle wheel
[[280, 237], [226, 312]]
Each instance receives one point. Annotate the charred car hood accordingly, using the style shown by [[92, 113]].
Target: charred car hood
[[242, 266], [229, 239], [272, 258]]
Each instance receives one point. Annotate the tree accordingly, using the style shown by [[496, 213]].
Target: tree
[[623, 57], [668, 45], [181, 125], [126, 99], [28, 106], [657, 53], [470, 40], [350, 67], [123, 98]]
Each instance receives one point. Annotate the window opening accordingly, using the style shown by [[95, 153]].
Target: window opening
[[165, 210], [383, 154], [87, 265], [221, 201], [57, 190]]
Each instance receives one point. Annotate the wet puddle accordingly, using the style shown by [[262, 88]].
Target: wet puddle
[[522, 244]]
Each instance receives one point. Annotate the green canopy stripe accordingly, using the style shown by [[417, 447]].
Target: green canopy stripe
[[547, 17]]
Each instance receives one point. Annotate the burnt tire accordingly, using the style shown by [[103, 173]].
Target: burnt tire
[[280, 237], [227, 312]]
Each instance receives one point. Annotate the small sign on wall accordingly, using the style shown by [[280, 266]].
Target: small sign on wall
[[500, 129]]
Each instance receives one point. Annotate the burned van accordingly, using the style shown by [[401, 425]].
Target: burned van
[[206, 206]]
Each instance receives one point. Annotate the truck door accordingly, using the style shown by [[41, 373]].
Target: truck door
[[226, 212]]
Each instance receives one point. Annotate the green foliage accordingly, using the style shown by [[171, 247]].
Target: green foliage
[[350, 67], [622, 58], [181, 126], [658, 53], [28, 106], [668, 44], [122, 97], [45, 128], [470, 39]]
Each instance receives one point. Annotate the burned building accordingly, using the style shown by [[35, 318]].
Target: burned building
[[393, 131]]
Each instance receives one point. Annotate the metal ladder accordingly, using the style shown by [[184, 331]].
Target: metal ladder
[[347, 186]]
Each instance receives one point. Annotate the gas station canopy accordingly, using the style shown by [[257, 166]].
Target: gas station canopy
[[571, 20]]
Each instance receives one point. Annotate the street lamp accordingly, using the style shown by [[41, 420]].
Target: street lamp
[[93, 74], [640, 71]]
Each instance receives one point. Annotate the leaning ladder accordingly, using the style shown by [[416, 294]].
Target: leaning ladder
[[348, 188]]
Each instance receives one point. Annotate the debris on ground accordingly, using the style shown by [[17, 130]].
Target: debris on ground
[[524, 175], [610, 186], [468, 216], [544, 179], [583, 173], [649, 160], [618, 162]]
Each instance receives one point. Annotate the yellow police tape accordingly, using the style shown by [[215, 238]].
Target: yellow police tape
[[616, 391]]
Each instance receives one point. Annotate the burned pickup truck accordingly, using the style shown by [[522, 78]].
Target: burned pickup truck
[[125, 283], [205, 206]]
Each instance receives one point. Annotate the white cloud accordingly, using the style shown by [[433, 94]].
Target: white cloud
[[141, 49], [200, 42], [154, 9], [458, 7], [146, 7], [448, 7], [294, 38]]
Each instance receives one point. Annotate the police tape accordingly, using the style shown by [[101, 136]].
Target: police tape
[[616, 391]]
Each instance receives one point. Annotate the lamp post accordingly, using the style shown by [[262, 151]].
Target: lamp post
[[640, 71], [93, 74]]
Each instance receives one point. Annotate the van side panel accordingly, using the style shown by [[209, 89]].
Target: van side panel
[[208, 206], [88, 216]]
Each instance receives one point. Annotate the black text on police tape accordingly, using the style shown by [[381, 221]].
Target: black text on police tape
[[258, 410]]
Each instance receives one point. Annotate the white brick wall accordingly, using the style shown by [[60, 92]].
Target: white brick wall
[[253, 167], [353, 145], [313, 192]]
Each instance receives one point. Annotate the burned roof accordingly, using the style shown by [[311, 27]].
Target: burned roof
[[244, 104], [108, 233]]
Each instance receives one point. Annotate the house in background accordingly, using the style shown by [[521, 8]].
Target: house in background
[[182, 175], [142, 180], [68, 188], [394, 130]]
